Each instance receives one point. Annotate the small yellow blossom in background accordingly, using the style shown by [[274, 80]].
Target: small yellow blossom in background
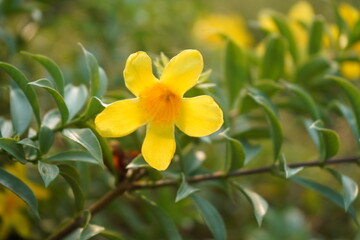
[[213, 29], [160, 105], [350, 14], [12, 207]]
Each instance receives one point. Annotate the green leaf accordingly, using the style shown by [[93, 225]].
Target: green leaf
[[330, 139], [14, 184], [211, 217], [48, 172], [51, 119], [98, 79], [20, 110], [258, 203], [273, 61], [59, 100], [94, 107], [75, 98], [137, 162], [250, 152], [86, 138], [110, 235], [163, 219], [22, 82], [284, 29], [313, 70], [13, 148], [350, 188], [46, 139], [52, 68], [237, 72], [306, 99], [272, 118], [353, 95], [184, 190], [316, 35], [72, 177], [235, 155], [6, 128], [90, 231], [349, 117], [72, 156], [288, 172], [327, 192]]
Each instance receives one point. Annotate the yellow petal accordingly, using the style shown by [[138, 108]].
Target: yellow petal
[[120, 118], [21, 224], [350, 70], [349, 14], [138, 73], [159, 146], [199, 116], [302, 11], [183, 71]]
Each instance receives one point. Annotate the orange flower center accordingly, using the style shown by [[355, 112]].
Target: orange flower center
[[160, 104]]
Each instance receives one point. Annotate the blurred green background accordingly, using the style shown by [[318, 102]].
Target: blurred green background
[[112, 30]]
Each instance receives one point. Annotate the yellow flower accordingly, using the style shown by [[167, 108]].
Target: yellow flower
[[12, 207], [350, 14], [213, 28], [160, 105]]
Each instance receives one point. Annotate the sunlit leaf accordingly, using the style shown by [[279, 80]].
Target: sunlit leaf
[[22, 82], [58, 98], [15, 185], [75, 98], [20, 110], [72, 156], [94, 107], [86, 138], [211, 217], [52, 68], [184, 190], [48, 172]]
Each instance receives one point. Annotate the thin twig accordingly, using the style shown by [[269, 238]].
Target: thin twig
[[126, 186]]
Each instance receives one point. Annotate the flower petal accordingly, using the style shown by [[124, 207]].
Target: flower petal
[[120, 118], [159, 146], [199, 116], [183, 71], [138, 73]]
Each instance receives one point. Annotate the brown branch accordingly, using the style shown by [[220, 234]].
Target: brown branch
[[126, 186]]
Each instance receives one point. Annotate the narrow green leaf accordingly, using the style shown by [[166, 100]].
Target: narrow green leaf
[[6, 128], [349, 116], [48, 172], [211, 217], [350, 188], [237, 72], [22, 82], [52, 68], [15, 185], [46, 139], [273, 61], [51, 119], [94, 107], [137, 162], [98, 79], [110, 235], [330, 138], [316, 35], [184, 190], [20, 110], [59, 100], [288, 172], [271, 115], [163, 219], [90, 231], [259, 204], [72, 177], [13, 148], [86, 138], [251, 151], [353, 94], [306, 100], [284, 29], [327, 192], [235, 155], [72, 156], [75, 98], [313, 70]]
